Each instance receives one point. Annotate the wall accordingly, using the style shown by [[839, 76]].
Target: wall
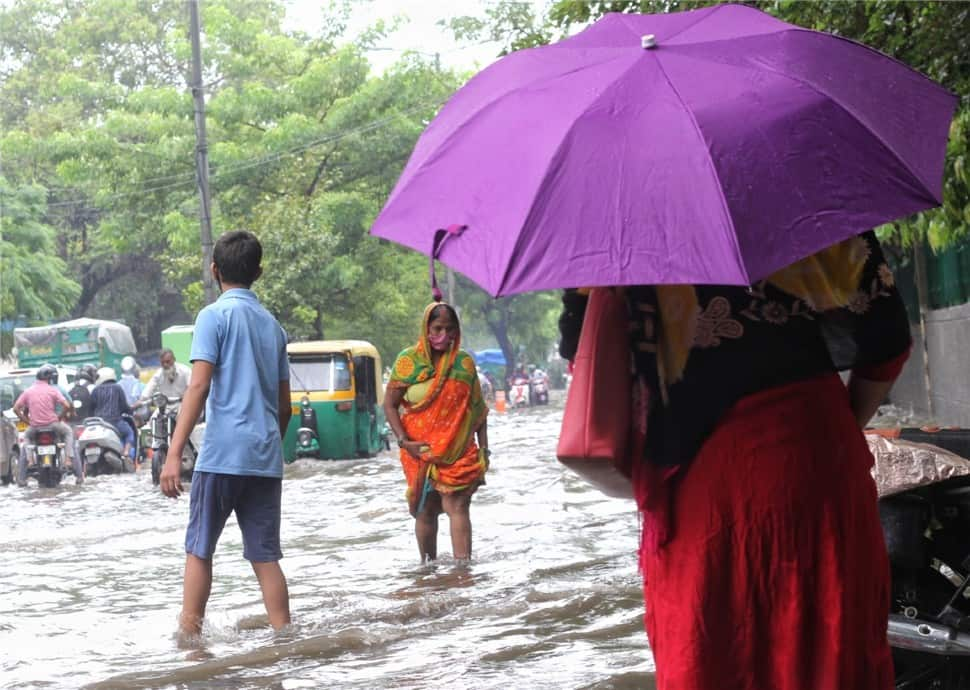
[[948, 350]]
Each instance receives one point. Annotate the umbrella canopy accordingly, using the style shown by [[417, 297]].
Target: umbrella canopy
[[710, 146]]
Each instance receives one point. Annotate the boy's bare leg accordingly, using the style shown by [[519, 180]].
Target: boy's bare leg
[[276, 595], [426, 528], [195, 593], [458, 507]]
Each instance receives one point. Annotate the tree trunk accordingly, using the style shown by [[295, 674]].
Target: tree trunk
[[94, 278], [500, 329], [318, 325]]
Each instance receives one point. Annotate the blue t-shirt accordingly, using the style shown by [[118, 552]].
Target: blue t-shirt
[[247, 348]]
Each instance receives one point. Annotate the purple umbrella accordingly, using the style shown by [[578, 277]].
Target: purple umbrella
[[712, 146]]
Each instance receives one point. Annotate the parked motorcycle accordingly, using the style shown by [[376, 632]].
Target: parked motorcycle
[[102, 447], [45, 457], [161, 425], [924, 507]]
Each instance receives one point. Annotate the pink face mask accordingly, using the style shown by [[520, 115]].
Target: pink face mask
[[440, 342]]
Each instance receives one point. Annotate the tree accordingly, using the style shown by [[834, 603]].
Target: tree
[[34, 282], [304, 146]]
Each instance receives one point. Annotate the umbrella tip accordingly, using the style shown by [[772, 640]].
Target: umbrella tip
[[648, 41]]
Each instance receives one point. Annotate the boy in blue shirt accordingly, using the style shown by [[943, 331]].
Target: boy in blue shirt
[[241, 374]]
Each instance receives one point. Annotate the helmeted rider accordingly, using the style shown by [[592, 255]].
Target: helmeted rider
[[129, 380], [171, 380], [108, 401], [43, 405], [81, 392]]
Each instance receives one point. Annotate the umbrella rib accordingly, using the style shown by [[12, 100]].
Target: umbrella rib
[[542, 187], [713, 169]]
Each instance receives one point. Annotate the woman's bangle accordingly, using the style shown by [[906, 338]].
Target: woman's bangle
[[401, 440], [485, 450]]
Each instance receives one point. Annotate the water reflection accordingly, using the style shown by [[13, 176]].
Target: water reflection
[[90, 584]]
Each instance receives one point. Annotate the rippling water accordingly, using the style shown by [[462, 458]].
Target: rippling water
[[91, 578]]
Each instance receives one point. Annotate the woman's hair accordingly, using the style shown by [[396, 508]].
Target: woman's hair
[[441, 310], [237, 255]]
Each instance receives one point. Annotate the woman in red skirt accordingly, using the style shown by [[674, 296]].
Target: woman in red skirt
[[762, 555]]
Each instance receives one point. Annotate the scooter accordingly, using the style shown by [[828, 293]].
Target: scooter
[[101, 445], [519, 392], [161, 425], [45, 457], [538, 391], [924, 508]]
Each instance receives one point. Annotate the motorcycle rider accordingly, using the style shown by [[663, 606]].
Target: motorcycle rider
[[37, 407], [518, 386], [108, 402], [171, 380], [538, 381], [81, 392], [129, 380]]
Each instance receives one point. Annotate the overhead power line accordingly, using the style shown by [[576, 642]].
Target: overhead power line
[[188, 178]]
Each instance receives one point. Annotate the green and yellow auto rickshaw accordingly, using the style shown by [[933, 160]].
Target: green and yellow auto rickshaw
[[337, 401]]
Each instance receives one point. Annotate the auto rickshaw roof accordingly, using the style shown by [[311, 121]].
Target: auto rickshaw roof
[[317, 347]]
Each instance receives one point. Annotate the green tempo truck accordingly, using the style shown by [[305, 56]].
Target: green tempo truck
[[80, 341]]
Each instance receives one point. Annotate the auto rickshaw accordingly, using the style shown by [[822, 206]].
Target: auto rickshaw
[[336, 399]]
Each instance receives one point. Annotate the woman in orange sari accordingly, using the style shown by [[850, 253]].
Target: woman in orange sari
[[435, 407]]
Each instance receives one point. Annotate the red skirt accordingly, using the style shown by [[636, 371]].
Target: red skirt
[[775, 575]]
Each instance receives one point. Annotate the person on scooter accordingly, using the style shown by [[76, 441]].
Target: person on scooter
[[108, 401], [38, 407], [129, 380], [172, 380], [538, 386], [81, 392]]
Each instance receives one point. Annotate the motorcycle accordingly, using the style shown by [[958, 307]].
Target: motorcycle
[[161, 425], [45, 457], [519, 392], [924, 507], [307, 435], [102, 447], [538, 390]]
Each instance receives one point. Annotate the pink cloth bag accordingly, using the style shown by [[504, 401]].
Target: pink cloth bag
[[595, 440]]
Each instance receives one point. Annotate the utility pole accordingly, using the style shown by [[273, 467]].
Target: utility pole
[[201, 154]]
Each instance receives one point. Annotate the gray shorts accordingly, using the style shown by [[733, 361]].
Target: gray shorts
[[256, 501]]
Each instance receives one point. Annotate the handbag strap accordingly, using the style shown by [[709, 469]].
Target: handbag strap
[[441, 235]]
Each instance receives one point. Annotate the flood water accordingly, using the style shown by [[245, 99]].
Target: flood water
[[90, 584]]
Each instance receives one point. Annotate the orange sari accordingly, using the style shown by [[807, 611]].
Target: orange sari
[[442, 408]]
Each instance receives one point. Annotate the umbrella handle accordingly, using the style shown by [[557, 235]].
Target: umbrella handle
[[440, 235]]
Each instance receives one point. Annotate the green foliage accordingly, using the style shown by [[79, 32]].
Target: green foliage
[[304, 144], [34, 282], [511, 23]]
